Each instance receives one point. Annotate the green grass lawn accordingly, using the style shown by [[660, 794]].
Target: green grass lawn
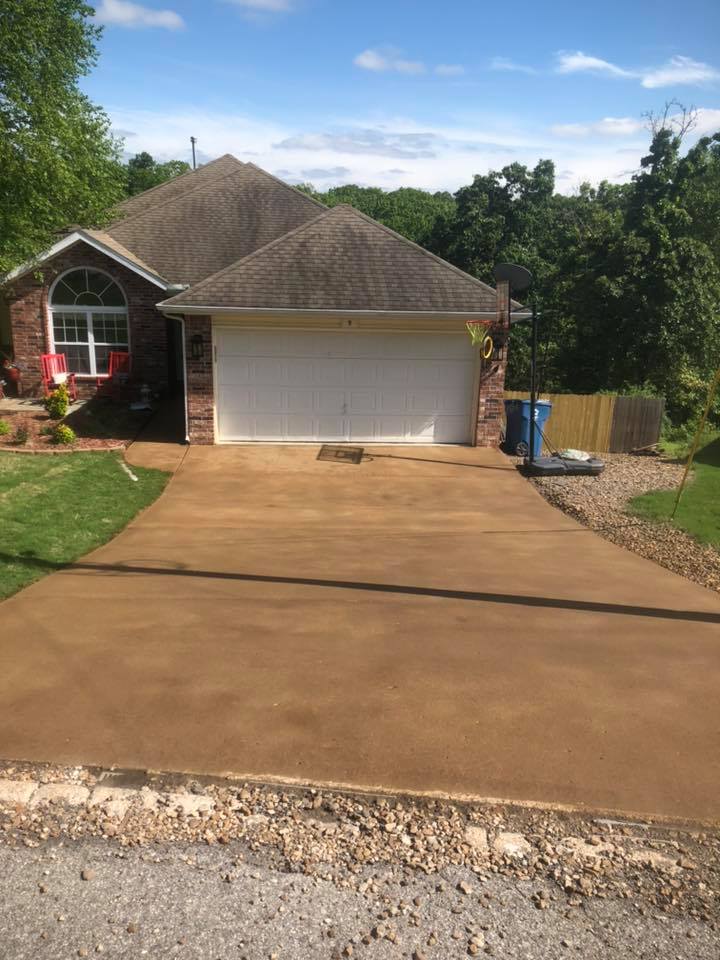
[[55, 508], [699, 510]]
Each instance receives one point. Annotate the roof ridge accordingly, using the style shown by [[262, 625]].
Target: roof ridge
[[271, 176], [243, 260], [180, 176], [411, 243], [163, 203]]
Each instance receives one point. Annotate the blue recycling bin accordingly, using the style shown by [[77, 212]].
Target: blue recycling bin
[[517, 429]]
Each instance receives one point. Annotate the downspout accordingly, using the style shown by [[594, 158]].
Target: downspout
[[181, 318]]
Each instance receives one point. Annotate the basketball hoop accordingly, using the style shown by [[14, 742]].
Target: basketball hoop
[[478, 330]]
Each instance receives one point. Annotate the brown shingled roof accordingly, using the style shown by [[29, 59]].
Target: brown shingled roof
[[342, 260], [112, 244], [196, 225], [180, 185]]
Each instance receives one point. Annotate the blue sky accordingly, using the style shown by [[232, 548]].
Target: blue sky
[[405, 92]]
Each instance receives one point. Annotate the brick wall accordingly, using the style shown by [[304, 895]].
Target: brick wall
[[29, 318], [492, 378], [200, 392]]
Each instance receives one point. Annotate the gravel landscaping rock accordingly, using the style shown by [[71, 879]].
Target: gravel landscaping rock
[[556, 859], [601, 504]]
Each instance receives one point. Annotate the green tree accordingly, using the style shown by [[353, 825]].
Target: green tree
[[413, 213], [59, 163], [144, 172]]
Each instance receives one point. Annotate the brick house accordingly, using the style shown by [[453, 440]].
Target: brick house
[[277, 318]]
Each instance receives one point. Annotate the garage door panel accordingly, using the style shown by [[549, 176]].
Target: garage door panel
[[331, 428], [300, 372], [393, 373], [362, 402], [305, 386], [240, 399], [232, 370], [301, 427], [361, 373]]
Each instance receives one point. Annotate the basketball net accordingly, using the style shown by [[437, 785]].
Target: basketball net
[[478, 330]]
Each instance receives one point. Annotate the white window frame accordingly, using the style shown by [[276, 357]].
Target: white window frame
[[88, 311]]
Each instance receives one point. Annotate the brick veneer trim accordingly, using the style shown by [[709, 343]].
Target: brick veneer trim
[[490, 409], [200, 386]]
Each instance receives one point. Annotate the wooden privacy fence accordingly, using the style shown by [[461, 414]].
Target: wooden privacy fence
[[600, 423]]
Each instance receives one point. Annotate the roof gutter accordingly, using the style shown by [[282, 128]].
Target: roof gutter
[[191, 309]]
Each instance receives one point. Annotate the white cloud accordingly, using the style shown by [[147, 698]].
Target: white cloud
[[263, 6], [387, 60], [677, 71], [502, 63], [396, 151], [123, 13], [607, 127], [680, 71], [707, 122], [449, 70], [581, 63]]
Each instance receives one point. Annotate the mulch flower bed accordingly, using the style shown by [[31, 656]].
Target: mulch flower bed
[[98, 425]]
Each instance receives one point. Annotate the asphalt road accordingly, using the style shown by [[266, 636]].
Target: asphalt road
[[222, 902]]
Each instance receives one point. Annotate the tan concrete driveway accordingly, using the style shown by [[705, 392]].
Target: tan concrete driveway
[[421, 621]]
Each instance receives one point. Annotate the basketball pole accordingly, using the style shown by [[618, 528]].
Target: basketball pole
[[696, 440], [533, 382]]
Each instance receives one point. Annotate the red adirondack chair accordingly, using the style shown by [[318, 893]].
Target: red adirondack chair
[[54, 371], [117, 382]]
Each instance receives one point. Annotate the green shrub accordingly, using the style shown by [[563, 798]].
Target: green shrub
[[47, 430], [21, 437], [4, 428], [57, 403], [63, 435]]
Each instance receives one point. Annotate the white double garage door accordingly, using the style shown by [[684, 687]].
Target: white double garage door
[[343, 386]]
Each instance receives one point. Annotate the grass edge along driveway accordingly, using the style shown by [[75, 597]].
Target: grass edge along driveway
[[699, 509], [55, 508]]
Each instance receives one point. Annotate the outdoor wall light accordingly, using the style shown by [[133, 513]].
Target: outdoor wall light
[[197, 347], [499, 347]]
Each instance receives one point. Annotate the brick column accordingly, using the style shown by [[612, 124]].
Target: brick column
[[28, 322], [199, 386], [492, 377]]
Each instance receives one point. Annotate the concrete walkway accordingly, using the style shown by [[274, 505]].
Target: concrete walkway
[[421, 621]]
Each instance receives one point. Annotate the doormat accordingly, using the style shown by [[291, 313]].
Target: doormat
[[341, 454]]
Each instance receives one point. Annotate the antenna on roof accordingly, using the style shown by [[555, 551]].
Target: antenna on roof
[[193, 141]]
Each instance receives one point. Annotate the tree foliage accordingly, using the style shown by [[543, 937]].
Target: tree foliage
[[627, 276], [59, 163], [143, 172]]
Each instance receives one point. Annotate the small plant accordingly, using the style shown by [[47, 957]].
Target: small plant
[[21, 437], [57, 403], [47, 430], [63, 435], [4, 428]]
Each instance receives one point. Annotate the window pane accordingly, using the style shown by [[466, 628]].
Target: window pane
[[113, 296], [77, 280], [77, 357], [68, 326], [62, 294], [88, 299], [102, 356], [88, 288], [110, 328], [96, 282]]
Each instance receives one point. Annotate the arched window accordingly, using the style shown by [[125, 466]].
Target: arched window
[[89, 319]]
